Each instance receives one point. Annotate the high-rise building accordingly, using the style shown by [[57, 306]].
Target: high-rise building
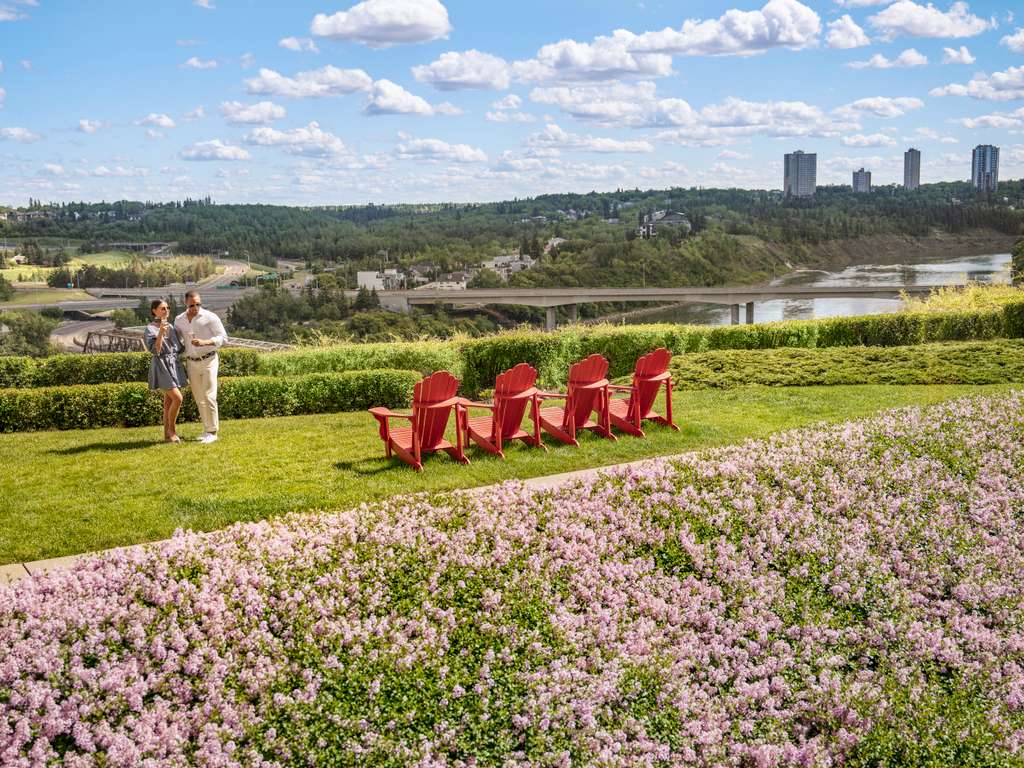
[[801, 174], [985, 167], [862, 181], [912, 168]]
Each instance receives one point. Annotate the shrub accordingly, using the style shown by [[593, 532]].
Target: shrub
[[16, 370], [132, 404], [423, 356]]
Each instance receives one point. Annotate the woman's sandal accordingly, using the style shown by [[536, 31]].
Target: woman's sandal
[[174, 439]]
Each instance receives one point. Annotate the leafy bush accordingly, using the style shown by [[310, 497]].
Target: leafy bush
[[991, 362], [423, 356], [132, 404]]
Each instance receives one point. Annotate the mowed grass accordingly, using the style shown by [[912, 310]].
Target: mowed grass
[[25, 296], [69, 492], [38, 275]]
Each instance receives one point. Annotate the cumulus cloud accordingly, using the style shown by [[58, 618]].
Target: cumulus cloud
[[3, 95], [382, 23], [237, 113], [604, 59], [879, 106], [214, 150], [196, 114], [999, 86], [388, 98], [311, 141], [196, 63], [312, 84], [871, 140], [780, 23], [455, 71], [118, 171], [299, 44], [998, 120], [1014, 42], [89, 126], [247, 60], [554, 136], [435, 149], [156, 120], [207, 4], [906, 17], [909, 58], [731, 154], [845, 33], [930, 133], [24, 135], [53, 169], [957, 56], [507, 102], [509, 116]]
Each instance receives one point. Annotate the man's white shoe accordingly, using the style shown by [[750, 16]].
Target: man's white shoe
[[208, 438]]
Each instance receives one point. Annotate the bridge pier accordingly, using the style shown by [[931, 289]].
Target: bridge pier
[[750, 312], [551, 320], [574, 312], [734, 314]]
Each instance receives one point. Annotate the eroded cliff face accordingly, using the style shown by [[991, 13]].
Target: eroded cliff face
[[898, 248]]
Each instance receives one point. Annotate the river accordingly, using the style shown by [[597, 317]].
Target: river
[[991, 268]]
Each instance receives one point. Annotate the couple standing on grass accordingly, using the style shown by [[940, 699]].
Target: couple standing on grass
[[196, 334]]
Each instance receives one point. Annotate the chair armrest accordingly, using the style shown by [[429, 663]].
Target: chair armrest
[[471, 404], [446, 403], [621, 388], [386, 413], [551, 396], [526, 394], [596, 385]]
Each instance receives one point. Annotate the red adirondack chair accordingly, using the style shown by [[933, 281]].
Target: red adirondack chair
[[513, 391], [651, 372], [432, 401], [587, 392]]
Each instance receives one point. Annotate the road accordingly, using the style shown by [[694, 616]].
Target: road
[[65, 335]]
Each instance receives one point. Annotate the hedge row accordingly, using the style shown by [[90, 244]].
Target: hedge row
[[423, 356], [131, 404], [985, 362], [104, 368]]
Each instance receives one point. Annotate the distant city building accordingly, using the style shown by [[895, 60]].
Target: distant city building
[[985, 167], [912, 168], [648, 226], [508, 264], [801, 174], [862, 181], [388, 280]]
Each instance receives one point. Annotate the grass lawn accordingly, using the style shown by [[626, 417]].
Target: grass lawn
[[45, 295], [68, 492]]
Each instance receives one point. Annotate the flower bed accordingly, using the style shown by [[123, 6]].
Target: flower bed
[[843, 595]]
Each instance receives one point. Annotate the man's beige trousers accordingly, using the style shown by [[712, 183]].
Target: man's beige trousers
[[202, 378]]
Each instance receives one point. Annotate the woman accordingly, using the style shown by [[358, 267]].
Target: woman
[[165, 372]]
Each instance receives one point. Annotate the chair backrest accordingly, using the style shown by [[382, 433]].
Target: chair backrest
[[430, 424], [508, 414], [651, 370], [581, 402]]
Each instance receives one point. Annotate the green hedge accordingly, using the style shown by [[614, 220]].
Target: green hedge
[[131, 404], [986, 362], [104, 368], [423, 356]]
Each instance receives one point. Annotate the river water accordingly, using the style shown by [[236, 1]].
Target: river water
[[991, 268]]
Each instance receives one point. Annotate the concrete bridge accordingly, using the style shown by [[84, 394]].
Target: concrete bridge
[[552, 298]]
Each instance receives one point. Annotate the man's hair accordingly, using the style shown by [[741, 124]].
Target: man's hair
[[191, 293]]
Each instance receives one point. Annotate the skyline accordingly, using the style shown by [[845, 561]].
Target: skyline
[[338, 103]]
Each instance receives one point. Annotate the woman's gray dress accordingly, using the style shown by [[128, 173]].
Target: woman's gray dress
[[165, 372]]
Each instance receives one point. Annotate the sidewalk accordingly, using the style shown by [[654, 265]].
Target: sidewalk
[[18, 571]]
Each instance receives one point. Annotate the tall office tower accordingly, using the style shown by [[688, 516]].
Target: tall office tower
[[801, 174], [912, 168], [985, 167], [862, 181]]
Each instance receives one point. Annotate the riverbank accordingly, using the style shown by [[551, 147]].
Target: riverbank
[[890, 249]]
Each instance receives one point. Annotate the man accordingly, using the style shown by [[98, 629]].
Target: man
[[202, 334]]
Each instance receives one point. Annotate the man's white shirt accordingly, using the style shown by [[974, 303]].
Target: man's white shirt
[[205, 326]]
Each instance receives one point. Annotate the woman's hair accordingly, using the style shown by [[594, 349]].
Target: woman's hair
[[154, 304]]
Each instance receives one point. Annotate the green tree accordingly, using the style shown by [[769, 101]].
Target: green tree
[[26, 333], [6, 290], [123, 318], [486, 278]]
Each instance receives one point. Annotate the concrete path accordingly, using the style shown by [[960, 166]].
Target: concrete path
[[18, 571]]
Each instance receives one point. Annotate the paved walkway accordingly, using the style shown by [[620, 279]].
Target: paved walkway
[[19, 571]]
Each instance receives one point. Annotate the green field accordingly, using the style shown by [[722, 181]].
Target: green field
[[26, 296], [35, 274], [68, 492]]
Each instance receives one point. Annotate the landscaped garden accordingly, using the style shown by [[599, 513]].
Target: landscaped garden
[[844, 594]]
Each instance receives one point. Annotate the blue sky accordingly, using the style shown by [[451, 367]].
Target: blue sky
[[430, 100]]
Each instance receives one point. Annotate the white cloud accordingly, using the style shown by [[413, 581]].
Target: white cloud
[[554, 136], [880, 106], [604, 59], [1014, 42], [237, 113], [458, 71], [909, 58], [154, 134], [196, 114], [207, 4], [508, 102], [156, 120], [906, 17], [730, 154], [930, 133], [53, 169], [382, 23], [299, 44], [436, 149], [196, 63], [780, 23], [955, 56], [317, 83], [188, 43], [311, 141], [23, 135], [507, 116], [861, 3], [871, 140], [247, 60], [999, 86], [26, 64], [1, 67], [844, 33], [388, 98], [998, 120], [10, 14], [214, 150], [3, 95], [119, 171]]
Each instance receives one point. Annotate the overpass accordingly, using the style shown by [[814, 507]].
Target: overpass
[[552, 298]]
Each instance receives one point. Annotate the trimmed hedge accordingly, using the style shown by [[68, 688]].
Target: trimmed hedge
[[423, 356], [131, 404], [104, 368]]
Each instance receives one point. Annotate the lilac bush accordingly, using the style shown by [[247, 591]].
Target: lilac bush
[[844, 595]]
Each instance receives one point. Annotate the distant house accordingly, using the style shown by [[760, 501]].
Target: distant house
[[452, 281], [554, 242], [651, 222], [420, 274], [508, 264], [388, 280]]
